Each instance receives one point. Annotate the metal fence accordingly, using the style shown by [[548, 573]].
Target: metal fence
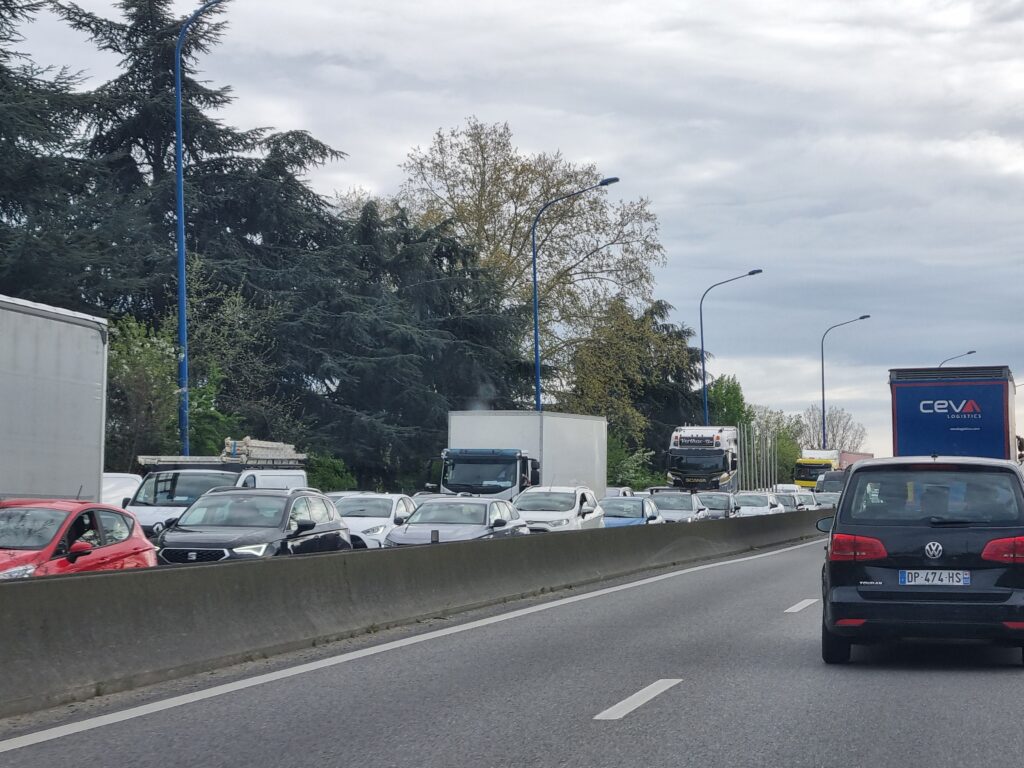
[[758, 459]]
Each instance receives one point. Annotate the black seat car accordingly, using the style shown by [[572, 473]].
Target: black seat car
[[240, 523], [922, 548]]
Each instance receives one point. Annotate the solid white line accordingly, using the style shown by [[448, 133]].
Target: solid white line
[[59, 732], [638, 699], [801, 605]]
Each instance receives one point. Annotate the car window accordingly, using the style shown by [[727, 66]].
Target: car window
[[85, 528], [318, 511], [300, 510], [116, 528], [933, 493], [493, 513]]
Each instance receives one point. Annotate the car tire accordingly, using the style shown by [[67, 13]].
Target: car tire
[[834, 649]]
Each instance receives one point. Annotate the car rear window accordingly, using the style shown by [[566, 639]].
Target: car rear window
[[933, 495]]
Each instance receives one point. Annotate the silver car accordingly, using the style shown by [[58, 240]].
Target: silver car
[[678, 507], [458, 518]]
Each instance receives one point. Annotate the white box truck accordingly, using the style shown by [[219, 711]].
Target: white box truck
[[53, 393], [499, 453]]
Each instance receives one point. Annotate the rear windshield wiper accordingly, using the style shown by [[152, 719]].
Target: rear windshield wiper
[[941, 521]]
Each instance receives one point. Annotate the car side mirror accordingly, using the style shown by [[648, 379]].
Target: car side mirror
[[170, 521], [651, 518], [126, 501], [825, 524], [302, 526], [399, 520], [78, 549], [586, 509], [499, 523]]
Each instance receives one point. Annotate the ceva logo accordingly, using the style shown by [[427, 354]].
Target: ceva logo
[[949, 406]]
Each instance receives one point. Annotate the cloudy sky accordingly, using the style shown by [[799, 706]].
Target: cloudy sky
[[868, 156]]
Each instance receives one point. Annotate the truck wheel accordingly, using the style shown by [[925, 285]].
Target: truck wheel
[[834, 649]]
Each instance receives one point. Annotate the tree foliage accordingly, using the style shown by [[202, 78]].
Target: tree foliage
[[726, 403], [844, 433]]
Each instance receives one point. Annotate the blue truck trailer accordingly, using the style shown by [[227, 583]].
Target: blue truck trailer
[[953, 412]]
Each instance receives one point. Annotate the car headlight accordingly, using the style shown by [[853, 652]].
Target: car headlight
[[375, 529], [254, 549], [556, 523], [18, 572]]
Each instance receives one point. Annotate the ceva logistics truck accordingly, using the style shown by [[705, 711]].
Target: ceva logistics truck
[[500, 453], [53, 392], [953, 412]]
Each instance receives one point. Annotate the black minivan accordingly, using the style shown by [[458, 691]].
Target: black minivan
[[922, 548], [231, 523]]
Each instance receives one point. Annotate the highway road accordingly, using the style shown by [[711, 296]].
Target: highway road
[[711, 666]]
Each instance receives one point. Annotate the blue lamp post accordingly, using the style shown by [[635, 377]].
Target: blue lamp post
[[824, 435], [536, 295], [703, 367], [180, 195]]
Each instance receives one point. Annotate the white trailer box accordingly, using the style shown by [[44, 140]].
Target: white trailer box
[[572, 449], [53, 384]]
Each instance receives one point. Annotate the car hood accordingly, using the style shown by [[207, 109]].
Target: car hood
[[147, 515], [419, 533], [678, 514], [12, 558], [360, 524], [622, 522], [546, 516], [217, 538]]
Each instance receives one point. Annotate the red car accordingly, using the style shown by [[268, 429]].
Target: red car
[[48, 538]]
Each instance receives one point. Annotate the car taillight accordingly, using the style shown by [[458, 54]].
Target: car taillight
[[850, 548], [1004, 550]]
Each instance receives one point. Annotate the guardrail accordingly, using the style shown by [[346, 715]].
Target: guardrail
[[71, 638]]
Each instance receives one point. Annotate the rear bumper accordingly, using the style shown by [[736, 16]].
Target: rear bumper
[[961, 618]]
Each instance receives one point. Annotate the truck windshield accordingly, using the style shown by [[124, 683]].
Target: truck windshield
[[810, 472], [178, 489], [700, 463], [479, 476]]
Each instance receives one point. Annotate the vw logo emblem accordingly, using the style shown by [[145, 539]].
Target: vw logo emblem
[[933, 549]]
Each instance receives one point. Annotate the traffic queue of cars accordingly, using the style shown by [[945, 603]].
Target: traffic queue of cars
[[228, 523]]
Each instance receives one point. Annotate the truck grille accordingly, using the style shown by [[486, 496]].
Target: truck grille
[[193, 555]]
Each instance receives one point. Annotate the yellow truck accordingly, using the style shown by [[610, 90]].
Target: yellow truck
[[813, 463]]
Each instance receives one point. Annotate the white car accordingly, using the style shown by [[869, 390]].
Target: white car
[[806, 499], [787, 488], [753, 503], [370, 517], [559, 508], [118, 486], [682, 507]]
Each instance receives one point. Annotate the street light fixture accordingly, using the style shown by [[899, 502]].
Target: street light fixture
[[536, 294], [824, 435], [703, 367], [957, 357], [180, 195]]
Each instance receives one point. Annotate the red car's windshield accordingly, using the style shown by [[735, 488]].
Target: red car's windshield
[[29, 527]]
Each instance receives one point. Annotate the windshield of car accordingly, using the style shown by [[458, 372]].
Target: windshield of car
[[235, 511], [29, 527], [715, 500], [356, 506], [546, 501], [805, 472], [933, 494], [673, 501], [826, 498], [787, 500], [179, 489], [623, 506], [449, 513], [751, 500], [479, 476]]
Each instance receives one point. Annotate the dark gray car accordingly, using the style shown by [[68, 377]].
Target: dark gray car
[[457, 519]]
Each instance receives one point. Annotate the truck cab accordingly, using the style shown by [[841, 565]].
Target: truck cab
[[502, 473], [703, 458]]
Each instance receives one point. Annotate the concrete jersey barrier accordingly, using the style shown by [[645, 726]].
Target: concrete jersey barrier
[[70, 638]]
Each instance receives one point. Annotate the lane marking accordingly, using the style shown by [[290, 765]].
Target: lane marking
[[60, 731], [638, 699], [801, 605]]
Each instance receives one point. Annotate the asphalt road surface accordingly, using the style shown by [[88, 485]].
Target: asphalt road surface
[[713, 666]]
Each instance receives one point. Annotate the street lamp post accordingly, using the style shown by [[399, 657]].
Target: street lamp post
[[703, 367], [536, 294], [824, 435], [957, 357], [180, 195]]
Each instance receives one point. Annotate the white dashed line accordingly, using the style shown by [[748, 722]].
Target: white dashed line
[[801, 605], [638, 699]]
